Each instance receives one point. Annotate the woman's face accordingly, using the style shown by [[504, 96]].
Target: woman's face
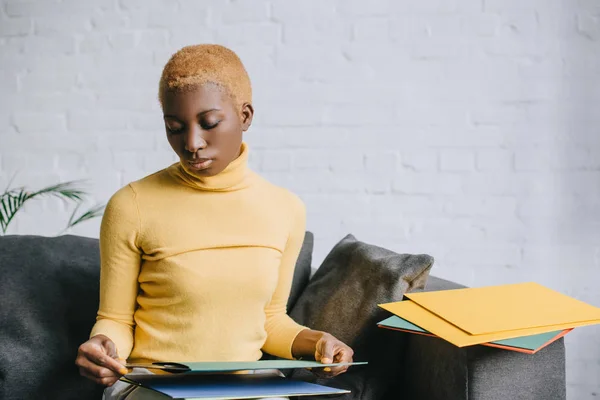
[[204, 127]]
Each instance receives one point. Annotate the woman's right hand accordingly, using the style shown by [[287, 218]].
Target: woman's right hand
[[98, 360]]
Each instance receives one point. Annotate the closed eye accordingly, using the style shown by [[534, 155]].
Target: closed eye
[[208, 127], [174, 131]]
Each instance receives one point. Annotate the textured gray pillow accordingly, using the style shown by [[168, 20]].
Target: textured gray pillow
[[342, 299]]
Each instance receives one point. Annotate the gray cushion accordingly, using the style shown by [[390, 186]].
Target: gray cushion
[[342, 299]]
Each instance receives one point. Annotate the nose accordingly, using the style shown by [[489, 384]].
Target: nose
[[194, 140]]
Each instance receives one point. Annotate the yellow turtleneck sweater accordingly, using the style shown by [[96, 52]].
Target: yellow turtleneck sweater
[[199, 269]]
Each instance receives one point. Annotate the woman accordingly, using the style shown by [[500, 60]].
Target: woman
[[197, 259]]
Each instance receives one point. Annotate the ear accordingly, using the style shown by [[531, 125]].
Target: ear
[[246, 116]]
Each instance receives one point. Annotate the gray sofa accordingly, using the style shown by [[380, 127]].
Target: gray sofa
[[49, 297]]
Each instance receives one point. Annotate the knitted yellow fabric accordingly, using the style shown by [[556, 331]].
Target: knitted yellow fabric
[[199, 269]]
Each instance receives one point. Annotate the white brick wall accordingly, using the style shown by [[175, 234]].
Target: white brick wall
[[467, 129]]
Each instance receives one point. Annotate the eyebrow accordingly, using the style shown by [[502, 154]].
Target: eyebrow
[[199, 114]]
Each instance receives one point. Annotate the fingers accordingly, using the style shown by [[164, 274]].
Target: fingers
[[110, 348], [331, 350], [99, 355], [342, 354], [105, 381], [325, 349], [95, 370], [114, 362], [96, 361]]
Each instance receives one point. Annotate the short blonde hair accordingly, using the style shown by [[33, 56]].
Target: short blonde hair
[[193, 66]]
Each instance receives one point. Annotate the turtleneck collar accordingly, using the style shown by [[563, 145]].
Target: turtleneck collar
[[235, 176]]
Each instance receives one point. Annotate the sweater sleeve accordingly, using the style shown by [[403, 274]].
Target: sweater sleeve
[[120, 260], [281, 329]]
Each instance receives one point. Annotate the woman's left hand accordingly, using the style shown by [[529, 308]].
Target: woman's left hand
[[329, 350]]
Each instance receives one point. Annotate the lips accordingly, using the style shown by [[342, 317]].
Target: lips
[[200, 163]]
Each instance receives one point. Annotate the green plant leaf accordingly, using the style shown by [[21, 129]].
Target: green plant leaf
[[12, 200], [4, 215], [66, 190], [93, 212]]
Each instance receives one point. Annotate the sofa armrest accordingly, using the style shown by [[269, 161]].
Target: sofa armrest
[[435, 369]]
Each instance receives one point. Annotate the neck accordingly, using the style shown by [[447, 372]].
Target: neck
[[234, 176]]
